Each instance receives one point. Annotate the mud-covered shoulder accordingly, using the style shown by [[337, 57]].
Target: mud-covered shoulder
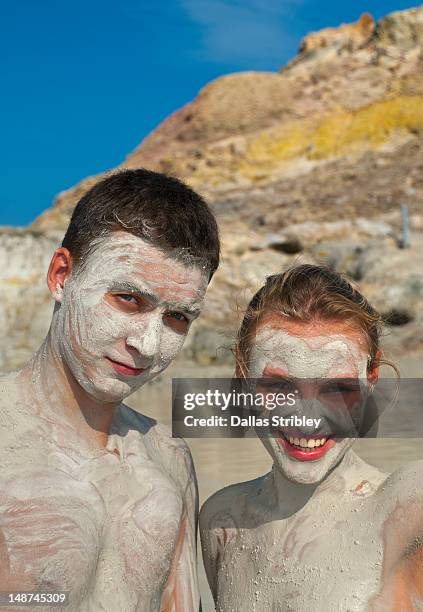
[[222, 517], [404, 485], [15, 417], [173, 454], [229, 506], [132, 419]]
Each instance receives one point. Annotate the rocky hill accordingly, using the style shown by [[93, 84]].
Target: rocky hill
[[307, 164]]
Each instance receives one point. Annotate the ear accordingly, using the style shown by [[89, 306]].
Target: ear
[[373, 374], [60, 268]]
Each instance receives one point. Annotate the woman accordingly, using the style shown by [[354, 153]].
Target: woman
[[323, 530]]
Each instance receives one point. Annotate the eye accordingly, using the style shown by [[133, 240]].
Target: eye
[[125, 302], [177, 321], [178, 316], [275, 385], [340, 388], [127, 297], [339, 393]]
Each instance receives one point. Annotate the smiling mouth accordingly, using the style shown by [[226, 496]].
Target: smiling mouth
[[124, 369], [306, 448]]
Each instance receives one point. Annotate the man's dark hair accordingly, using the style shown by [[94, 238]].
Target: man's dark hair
[[158, 208]]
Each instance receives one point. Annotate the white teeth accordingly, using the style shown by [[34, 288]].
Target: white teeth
[[310, 443]]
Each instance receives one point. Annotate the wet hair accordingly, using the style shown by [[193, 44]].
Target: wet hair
[[158, 208], [308, 293]]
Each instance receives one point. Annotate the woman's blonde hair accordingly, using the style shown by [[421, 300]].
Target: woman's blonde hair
[[310, 293]]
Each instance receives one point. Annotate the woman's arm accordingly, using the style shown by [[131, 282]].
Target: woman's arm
[[402, 565]]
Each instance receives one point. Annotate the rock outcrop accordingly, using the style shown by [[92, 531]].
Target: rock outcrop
[[307, 164], [347, 36]]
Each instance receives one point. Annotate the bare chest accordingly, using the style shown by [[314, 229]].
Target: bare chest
[[304, 564], [143, 513], [105, 530]]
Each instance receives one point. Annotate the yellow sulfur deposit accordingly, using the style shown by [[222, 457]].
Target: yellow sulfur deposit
[[373, 124], [336, 134]]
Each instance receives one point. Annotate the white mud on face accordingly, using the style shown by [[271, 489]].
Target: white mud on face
[[86, 328], [312, 357], [307, 357]]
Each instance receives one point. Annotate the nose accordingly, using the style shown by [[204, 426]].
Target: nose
[[145, 339]]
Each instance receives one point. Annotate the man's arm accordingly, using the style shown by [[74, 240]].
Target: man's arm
[[181, 591], [210, 549], [220, 518]]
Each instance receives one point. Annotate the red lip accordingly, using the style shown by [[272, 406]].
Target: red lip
[[125, 369], [303, 455]]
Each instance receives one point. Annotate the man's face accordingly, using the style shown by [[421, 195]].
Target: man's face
[[314, 358], [125, 315]]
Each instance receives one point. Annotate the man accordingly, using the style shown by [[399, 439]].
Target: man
[[97, 500]]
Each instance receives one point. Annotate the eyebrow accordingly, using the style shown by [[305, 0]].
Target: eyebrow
[[133, 289], [194, 311]]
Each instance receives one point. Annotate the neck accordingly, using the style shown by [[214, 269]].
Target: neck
[[292, 496], [55, 391]]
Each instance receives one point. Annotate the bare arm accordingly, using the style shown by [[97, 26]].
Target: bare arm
[[210, 549], [220, 519], [181, 591], [217, 528], [402, 502]]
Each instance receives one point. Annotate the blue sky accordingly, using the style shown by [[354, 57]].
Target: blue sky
[[85, 81]]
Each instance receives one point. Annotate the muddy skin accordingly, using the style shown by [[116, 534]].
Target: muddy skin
[[112, 523], [335, 533]]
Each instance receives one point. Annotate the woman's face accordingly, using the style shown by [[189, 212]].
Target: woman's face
[[325, 363]]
